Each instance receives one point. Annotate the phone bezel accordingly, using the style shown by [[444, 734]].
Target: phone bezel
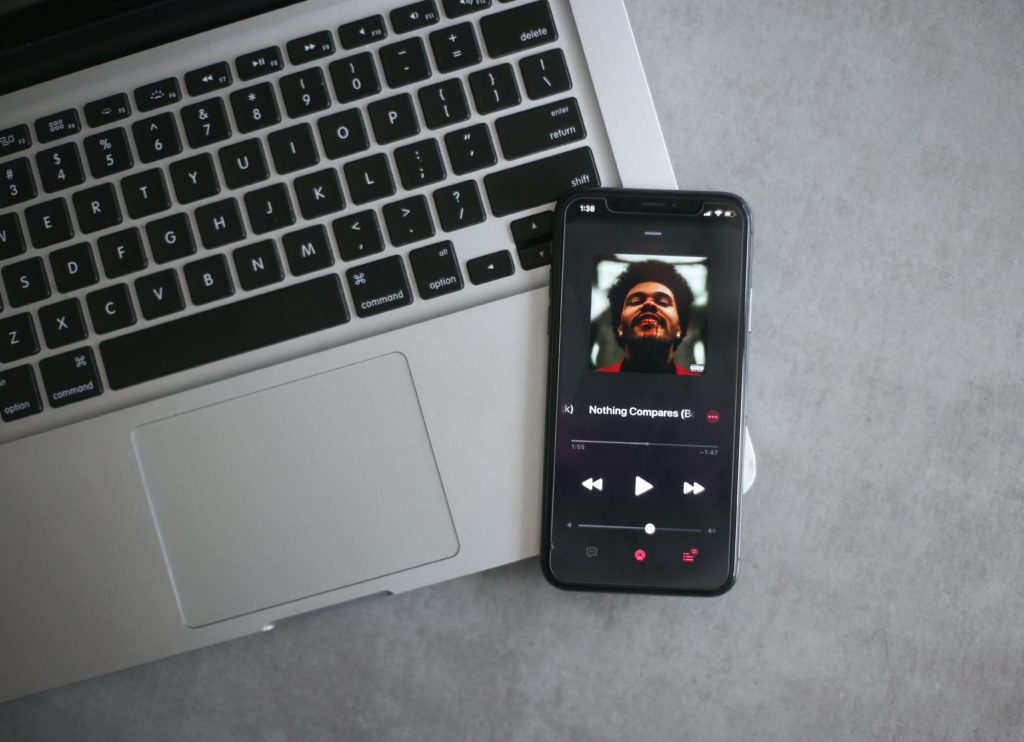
[[656, 203]]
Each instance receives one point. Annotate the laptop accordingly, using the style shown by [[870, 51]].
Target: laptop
[[273, 300]]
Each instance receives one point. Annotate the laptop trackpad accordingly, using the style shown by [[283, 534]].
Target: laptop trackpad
[[293, 491]]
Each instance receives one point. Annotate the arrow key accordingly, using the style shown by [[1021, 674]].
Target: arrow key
[[490, 267]]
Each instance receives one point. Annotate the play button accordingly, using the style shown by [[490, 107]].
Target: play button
[[642, 485]]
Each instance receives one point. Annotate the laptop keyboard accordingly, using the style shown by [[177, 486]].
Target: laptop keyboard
[[147, 232]]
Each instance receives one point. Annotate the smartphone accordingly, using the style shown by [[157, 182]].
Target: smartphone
[[650, 305]]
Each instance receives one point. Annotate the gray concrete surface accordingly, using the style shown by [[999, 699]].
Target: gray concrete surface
[[881, 147]]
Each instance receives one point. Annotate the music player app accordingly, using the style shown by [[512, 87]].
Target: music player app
[[648, 385]]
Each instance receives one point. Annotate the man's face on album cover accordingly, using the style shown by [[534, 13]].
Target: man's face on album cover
[[649, 315]]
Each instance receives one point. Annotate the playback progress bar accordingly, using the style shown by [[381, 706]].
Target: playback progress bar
[[645, 443]]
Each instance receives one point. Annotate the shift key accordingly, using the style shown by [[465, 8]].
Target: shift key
[[540, 181]]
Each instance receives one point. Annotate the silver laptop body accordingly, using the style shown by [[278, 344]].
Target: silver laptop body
[[395, 449]]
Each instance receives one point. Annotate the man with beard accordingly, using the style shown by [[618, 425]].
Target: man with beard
[[649, 306]]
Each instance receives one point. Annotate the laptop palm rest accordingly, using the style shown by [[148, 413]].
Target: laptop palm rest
[[291, 492]]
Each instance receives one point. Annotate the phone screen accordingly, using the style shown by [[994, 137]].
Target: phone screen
[[649, 310]]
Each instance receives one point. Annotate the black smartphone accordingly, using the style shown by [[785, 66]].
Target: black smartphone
[[650, 302]]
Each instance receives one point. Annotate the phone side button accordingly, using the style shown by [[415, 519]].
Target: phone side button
[[750, 308]]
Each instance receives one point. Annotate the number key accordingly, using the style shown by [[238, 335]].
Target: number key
[[205, 122], [59, 167], [304, 92], [108, 153], [16, 183], [156, 137], [255, 107], [354, 77]]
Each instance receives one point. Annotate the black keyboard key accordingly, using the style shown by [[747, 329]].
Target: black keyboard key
[[243, 164], [16, 182], [535, 256], [354, 77], [545, 74], [107, 110], [121, 253], [470, 149], [293, 148], [519, 28], [49, 222], [220, 223], [459, 206], [343, 133], [73, 267], [60, 167], [97, 208], [257, 265], [419, 164], [443, 103], [358, 235], [170, 238], [157, 94], [145, 194], [156, 137], [393, 119], [312, 46], [436, 269], [541, 181], [405, 62], [379, 286], [532, 235], [110, 308], [255, 107], [207, 79], [413, 16], [537, 129], [70, 377], [459, 8], [269, 208], [408, 220], [308, 250], [14, 139], [159, 294], [12, 241], [494, 89], [534, 229], [490, 267], [258, 63], [225, 331], [17, 337], [208, 280], [360, 33], [108, 153], [19, 395], [369, 178], [304, 92], [205, 123], [194, 178], [62, 323], [57, 125], [319, 193], [455, 47]]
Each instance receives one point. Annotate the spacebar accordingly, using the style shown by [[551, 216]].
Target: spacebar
[[223, 332]]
